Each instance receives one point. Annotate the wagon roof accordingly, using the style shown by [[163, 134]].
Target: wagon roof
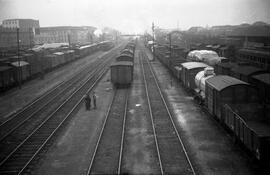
[[193, 65], [263, 78], [248, 70], [125, 55], [227, 64], [22, 63], [221, 82], [4, 68], [58, 53], [122, 63]]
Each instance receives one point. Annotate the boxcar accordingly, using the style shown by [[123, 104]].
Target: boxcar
[[245, 73], [24, 69], [122, 73], [6, 77], [34, 61], [127, 51], [262, 82], [60, 58], [189, 71], [249, 125], [223, 89], [125, 57]]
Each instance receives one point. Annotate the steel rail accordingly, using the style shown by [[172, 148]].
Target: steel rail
[[122, 137], [50, 116], [170, 115], [151, 115], [56, 129], [102, 133], [69, 84]]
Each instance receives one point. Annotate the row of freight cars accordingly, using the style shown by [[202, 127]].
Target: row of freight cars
[[235, 103], [122, 68], [34, 63]]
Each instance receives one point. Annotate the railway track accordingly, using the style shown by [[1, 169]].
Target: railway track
[[107, 156], [16, 130], [27, 150], [172, 155]]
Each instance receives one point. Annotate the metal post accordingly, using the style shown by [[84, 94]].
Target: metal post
[[153, 30], [30, 44], [19, 59], [170, 39]]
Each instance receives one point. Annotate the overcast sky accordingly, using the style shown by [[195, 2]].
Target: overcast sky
[[137, 15]]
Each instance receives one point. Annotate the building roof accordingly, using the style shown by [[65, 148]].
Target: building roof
[[22, 63], [265, 78], [254, 51], [248, 70], [227, 65], [193, 65], [122, 63], [221, 82]]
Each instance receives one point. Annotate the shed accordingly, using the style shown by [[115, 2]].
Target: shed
[[223, 89], [189, 71], [262, 82], [244, 73], [21, 68]]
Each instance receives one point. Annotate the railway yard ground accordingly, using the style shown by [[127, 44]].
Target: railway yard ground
[[203, 146], [15, 99]]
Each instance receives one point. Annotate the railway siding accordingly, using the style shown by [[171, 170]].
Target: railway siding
[[211, 149], [106, 157], [173, 156]]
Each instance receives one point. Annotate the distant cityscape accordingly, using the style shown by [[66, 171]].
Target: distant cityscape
[[30, 34]]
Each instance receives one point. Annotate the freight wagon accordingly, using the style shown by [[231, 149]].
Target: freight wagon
[[223, 89], [189, 71], [249, 125], [125, 57], [6, 77], [235, 103], [22, 71], [121, 73]]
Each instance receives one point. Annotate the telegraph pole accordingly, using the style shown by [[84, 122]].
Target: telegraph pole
[[19, 59], [153, 30]]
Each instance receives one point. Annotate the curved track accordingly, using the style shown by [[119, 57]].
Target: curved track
[[173, 157], [107, 157], [27, 149]]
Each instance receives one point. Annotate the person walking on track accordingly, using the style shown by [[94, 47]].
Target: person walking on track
[[87, 100], [95, 100]]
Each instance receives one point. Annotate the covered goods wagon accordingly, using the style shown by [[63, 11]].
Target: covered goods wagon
[[189, 71], [223, 89], [121, 73]]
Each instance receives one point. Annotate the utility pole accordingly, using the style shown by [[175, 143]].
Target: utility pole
[[153, 30], [170, 39], [30, 43], [19, 59]]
